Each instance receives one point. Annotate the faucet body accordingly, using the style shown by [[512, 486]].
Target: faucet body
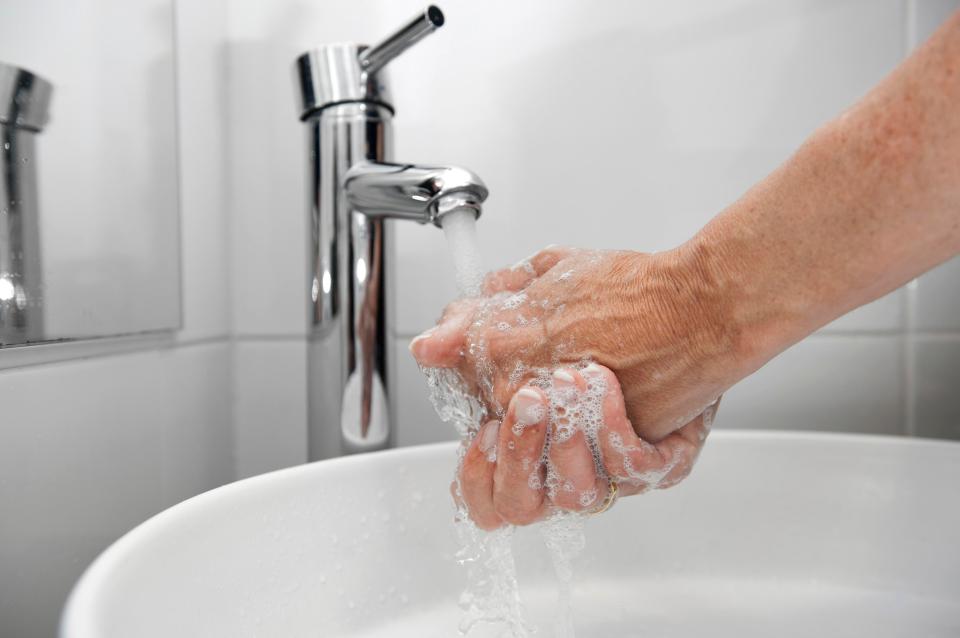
[[354, 191]]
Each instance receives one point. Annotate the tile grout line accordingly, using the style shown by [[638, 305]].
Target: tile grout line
[[269, 337], [909, 26], [908, 345], [935, 337], [909, 359], [68, 351]]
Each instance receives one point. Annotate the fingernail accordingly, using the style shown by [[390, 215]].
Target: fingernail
[[528, 407], [488, 438], [593, 368], [562, 377]]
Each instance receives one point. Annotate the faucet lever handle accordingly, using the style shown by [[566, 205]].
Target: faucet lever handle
[[374, 58]]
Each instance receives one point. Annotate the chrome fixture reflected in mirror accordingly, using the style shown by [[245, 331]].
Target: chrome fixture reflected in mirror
[[353, 191], [24, 102], [89, 215]]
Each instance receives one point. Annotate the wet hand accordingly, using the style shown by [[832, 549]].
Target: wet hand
[[560, 444], [657, 321]]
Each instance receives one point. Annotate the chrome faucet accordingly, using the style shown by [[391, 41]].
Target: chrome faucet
[[24, 105], [354, 190]]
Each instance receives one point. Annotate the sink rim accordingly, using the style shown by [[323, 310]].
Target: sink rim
[[76, 621]]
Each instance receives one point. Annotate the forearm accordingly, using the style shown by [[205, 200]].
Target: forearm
[[869, 202]]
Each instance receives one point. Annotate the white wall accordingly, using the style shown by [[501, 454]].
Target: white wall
[[90, 447], [681, 106]]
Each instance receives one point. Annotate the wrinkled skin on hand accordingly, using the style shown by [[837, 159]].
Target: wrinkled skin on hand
[[650, 321], [647, 318]]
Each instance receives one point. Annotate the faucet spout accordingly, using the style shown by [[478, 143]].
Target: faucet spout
[[407, 191]]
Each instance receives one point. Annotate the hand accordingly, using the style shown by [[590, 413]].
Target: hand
[[507, 478], [658, 322]]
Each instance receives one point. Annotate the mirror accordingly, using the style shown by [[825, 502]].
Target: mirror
[[89, 223]]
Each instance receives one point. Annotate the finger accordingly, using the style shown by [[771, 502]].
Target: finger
[[476, 477], [442, 346], [502, 388], [519, 276], [518, 479], [576, 486], [636, 464], [550, 257], [513, 279], [679, 452], [684, 445]]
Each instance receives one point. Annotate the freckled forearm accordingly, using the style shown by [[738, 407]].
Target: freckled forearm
[[869, 202]]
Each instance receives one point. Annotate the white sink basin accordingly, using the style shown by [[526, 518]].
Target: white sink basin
[[772, 535]]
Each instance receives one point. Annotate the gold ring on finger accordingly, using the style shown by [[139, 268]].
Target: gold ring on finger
[[613, 492]]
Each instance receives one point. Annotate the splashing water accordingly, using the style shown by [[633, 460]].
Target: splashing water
[[492, 594], [564, 537]]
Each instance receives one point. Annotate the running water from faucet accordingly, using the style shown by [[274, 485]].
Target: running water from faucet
[[492, 594], [460, 227]]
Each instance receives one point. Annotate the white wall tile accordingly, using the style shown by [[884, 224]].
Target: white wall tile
[[90, 448], [268, 198], [937, 385], [270, 395], [927, 15], [886, 314], [201, 95], [841, 383], [197, 420], [938, 299]]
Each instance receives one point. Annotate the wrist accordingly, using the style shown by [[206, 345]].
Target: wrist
[[743, 327]]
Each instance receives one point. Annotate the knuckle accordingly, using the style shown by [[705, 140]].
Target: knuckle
[[680, 472], [616, 467]]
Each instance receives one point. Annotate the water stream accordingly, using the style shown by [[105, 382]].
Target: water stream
[[460, 228], [492, 593]]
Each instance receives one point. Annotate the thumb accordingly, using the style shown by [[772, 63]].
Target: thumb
[[442, 346]]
